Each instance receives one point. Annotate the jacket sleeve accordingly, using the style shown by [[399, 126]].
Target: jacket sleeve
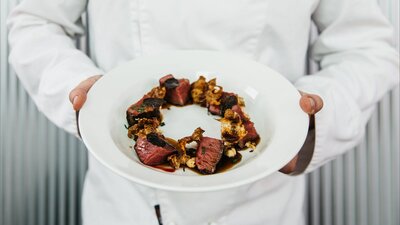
[[358, 66], [44, 56]]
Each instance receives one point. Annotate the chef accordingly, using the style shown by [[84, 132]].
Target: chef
[[354, 50]]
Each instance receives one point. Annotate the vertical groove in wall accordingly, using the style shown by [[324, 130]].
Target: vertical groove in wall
[[395, 155], [373, 169], [52, 174], [326, 194], [18, 144], [361, 183], [3, 97], [349, 192], [338, 192], [30, 179], [385, 161]]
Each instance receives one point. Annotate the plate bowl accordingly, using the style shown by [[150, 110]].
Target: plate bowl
[[272, 103]]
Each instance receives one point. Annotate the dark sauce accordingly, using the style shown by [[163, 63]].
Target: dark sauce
[[172, 142], [223, 165], [168, 106], [165, 167], [227, 163]]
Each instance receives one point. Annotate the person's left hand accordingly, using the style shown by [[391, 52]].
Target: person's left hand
[[310, 104]]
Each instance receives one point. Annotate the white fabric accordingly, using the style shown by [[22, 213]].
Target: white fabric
[[354, 50]]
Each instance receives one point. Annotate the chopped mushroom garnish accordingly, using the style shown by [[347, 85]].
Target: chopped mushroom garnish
[[232, 128], [181, 159], [174, 161], [199, 89], [230, 152], [241, 101], [213, 95], [250, 145], [177, 160], [191, 163], [157, 92], [144, 126], [197, 134]]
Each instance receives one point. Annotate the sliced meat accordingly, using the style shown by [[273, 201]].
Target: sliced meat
[[165, 78], [228, 100], [180, 94], [214, 109], [208, 154], [237, 109], [153, 149], [145, 108], [178, 91], [251, 136]]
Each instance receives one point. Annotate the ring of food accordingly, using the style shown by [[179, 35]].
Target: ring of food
[[202, 154]]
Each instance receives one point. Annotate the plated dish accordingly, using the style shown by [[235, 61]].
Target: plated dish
[[271, 101], [197, 152]]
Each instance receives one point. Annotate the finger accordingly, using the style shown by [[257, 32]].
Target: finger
[[79, 98], [311, 103], [290, 166], [78, 95]]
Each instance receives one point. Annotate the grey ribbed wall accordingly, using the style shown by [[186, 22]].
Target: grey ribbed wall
[[362, 187], [42, 168]]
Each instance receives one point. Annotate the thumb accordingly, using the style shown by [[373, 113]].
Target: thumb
[[78, 95], [310, 103]]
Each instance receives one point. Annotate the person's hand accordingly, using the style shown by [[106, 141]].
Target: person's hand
[[310, 104], [78, 95]]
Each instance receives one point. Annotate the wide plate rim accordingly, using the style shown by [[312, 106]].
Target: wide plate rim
[[89, 144]]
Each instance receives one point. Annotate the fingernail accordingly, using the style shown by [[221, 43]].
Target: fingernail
[[74, 100], [312, 104]]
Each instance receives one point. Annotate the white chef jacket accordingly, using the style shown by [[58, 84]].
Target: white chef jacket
[[354, 50]]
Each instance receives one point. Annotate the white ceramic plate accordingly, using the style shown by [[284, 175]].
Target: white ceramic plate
[[271, 101]]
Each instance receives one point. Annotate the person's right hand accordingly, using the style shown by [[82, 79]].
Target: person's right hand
[[78, 95]]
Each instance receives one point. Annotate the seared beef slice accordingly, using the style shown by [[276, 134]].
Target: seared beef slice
[[153, 149], [144, 108], [208, 154], [178, 91], [214, 109], [251, 136], [228, 100]]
